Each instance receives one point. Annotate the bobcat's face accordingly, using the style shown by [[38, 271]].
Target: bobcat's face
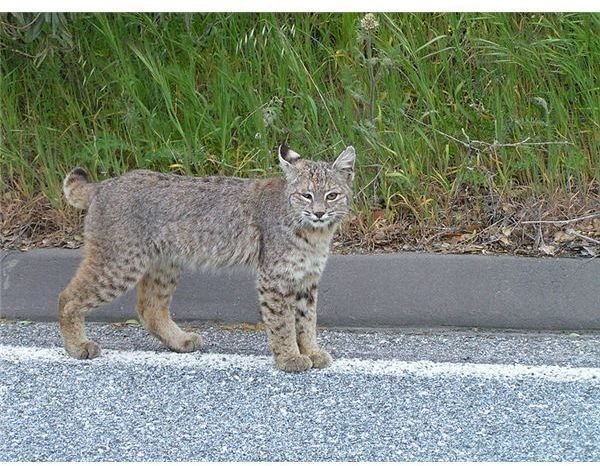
[[319, 193]]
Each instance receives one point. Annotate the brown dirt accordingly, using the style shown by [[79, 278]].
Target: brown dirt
[[34, 223], [528, 225]]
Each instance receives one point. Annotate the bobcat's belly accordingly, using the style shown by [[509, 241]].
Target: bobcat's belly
[[216, 249]]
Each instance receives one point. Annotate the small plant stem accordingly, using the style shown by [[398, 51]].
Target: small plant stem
[[562, 222], [579, 235], [372, 83]]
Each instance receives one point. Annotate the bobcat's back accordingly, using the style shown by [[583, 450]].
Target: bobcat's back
[[210, 221]]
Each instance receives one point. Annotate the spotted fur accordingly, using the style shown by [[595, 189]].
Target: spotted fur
[[141, 228]]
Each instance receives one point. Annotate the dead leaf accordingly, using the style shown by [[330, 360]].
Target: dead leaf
[[504, 240], [589, 251], [563, 237], [379, 235], [378, 213], [508, 208], [507, 231], [548, 249], [461, 237]]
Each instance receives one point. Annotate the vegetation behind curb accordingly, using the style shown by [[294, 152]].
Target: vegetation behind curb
[[467, 126]]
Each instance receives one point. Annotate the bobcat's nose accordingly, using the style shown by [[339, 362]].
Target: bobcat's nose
[[319, 214]]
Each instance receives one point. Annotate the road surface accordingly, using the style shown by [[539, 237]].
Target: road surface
[[391, 395]]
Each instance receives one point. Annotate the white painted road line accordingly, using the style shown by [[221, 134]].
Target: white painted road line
[[393, 367]]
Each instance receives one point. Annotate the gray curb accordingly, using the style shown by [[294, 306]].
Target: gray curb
[[391, 290]]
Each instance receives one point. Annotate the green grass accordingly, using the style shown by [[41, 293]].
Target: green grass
[[215, 93]]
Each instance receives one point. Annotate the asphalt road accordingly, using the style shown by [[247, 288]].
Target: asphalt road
[[401, 395]]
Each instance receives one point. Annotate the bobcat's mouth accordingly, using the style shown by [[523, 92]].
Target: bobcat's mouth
[[320, 222], [317, 221]]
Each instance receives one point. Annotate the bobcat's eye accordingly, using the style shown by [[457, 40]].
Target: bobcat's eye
[[308, 196], [331, 196]]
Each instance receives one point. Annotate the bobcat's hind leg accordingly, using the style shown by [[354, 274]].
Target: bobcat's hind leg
[[97, 281], [155, 291]]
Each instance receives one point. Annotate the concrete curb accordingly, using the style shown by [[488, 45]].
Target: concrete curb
[[391, 290]]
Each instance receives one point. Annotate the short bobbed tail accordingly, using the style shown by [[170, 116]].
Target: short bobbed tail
[[78, 188]]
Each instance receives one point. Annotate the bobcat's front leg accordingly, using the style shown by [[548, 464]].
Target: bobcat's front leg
[[306, 326], [278, 313]]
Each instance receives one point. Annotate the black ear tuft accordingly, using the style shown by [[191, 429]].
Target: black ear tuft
[[287, 155], [288, 161], [284, 150]]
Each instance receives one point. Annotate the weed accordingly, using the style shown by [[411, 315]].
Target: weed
[[436, 104]]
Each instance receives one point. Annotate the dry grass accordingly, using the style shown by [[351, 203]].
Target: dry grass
[[26, 223], [570, 226], [472, 225]]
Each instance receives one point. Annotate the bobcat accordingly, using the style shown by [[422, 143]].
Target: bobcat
[[142, 227]]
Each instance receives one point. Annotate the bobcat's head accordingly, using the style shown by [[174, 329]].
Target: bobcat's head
[[319, 193]]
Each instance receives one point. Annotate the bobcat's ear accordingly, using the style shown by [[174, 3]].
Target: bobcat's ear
[[345, 162], [287, 160]]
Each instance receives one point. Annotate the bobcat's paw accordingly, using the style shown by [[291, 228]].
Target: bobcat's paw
[[189, 342], [320, 359], [86, 350], [296, 363]]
